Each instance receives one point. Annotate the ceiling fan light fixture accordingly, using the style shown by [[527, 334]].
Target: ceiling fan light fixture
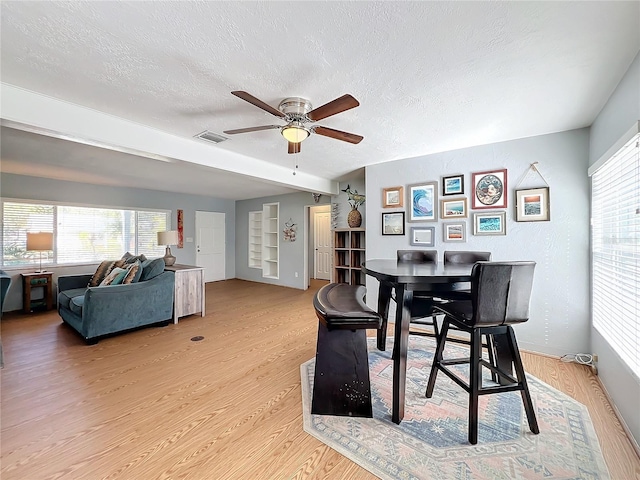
[[295, 132]]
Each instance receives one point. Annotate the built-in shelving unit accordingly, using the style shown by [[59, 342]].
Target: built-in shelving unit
[[255, 239], [348, 255], [270, 240]]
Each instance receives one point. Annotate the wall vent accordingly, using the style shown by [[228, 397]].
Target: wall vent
[[211, 137]]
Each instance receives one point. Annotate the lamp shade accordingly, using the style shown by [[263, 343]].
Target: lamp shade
[[40, 241], [169, 237]]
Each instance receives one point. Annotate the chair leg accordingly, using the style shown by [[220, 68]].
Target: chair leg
[[437, 358], [475, 384], [522, 379], [435, 327]]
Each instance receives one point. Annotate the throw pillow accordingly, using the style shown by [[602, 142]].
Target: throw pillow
[[115, 277], [133, 273], [128, 258], [103, 270], [152, 268]]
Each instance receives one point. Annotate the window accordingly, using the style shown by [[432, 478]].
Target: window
[[82, 234], [615, 240]]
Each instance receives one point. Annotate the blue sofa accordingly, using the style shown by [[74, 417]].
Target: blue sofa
[[5, 281], [104, 310]]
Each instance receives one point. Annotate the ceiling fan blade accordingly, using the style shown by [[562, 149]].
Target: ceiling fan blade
[[338, 134], [294, 147], [251, 129], [338, 105], [247, 97]]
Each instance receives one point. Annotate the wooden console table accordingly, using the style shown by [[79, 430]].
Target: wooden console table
[[36, 280], [189, 290]]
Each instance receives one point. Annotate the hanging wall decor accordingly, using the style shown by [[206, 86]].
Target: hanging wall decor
[[532, 204], [289, 231], [180, 229], [393, 223], [423, 236], [453, 185], [423, 202], [335, 213], [489, 189], [392, 197]]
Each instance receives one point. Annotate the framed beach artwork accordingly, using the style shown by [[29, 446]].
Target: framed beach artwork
[[393, 223], [392, 197], [490, 223], [453, 208], [454, 232], [423, 202], [532, 205], [423, 236], [489, 189], [453, 185]]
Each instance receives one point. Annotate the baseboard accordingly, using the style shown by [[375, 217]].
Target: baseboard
[[626, 429]]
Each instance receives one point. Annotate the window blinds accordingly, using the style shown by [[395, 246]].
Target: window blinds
[[82, 234], [615, 239]]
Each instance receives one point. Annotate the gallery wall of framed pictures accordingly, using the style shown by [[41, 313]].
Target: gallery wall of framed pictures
[[485, 205]]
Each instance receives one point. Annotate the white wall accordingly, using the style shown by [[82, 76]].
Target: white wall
[[292, 206], [616, 118], [619, 114], [559, 321]]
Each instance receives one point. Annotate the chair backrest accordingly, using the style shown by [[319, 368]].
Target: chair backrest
[[465, 258], [501, 292], [418, 256]]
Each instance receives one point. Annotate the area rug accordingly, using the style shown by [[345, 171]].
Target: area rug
[[431, 441]]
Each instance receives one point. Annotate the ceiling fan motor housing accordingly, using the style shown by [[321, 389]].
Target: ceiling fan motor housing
[[295, 107]]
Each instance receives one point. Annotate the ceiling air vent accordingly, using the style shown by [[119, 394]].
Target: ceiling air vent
[[211, 137]]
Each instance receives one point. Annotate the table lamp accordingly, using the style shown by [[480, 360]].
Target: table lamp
[[40, 242], [167, 238]]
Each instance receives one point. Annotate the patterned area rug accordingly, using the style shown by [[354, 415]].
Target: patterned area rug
[[431, 441]]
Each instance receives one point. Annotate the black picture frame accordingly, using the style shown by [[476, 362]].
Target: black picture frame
[[453, 185], [393, 223]]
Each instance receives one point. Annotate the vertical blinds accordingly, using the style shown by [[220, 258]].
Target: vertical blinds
[[615, 239]]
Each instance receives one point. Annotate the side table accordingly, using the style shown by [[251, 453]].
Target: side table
[[36, 280], [189, 290]]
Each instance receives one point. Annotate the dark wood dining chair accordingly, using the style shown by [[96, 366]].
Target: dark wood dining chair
[[422, 306], [500, 297], [462, 291]]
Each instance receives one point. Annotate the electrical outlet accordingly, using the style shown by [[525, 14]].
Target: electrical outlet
[[296, 274], [595, 358]]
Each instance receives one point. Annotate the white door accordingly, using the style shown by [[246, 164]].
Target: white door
[[322, 245], [210, 245]]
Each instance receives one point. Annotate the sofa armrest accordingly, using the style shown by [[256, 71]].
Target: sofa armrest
[[68, 282]]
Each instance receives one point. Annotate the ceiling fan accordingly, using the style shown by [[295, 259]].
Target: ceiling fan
[[298, 113]]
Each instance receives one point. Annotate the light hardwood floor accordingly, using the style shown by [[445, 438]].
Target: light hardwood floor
[[152, 404]]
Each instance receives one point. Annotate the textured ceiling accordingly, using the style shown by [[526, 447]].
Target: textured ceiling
[[430, 76]]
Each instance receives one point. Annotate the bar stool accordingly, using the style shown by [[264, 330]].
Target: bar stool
[[500, 297], [422, 306]]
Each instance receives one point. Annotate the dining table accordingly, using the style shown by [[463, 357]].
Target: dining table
[[405, 278]]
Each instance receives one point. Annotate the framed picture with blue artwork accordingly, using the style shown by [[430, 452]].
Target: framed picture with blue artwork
[[453, 185], [490, 223], [423, 202], [489, 189]]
